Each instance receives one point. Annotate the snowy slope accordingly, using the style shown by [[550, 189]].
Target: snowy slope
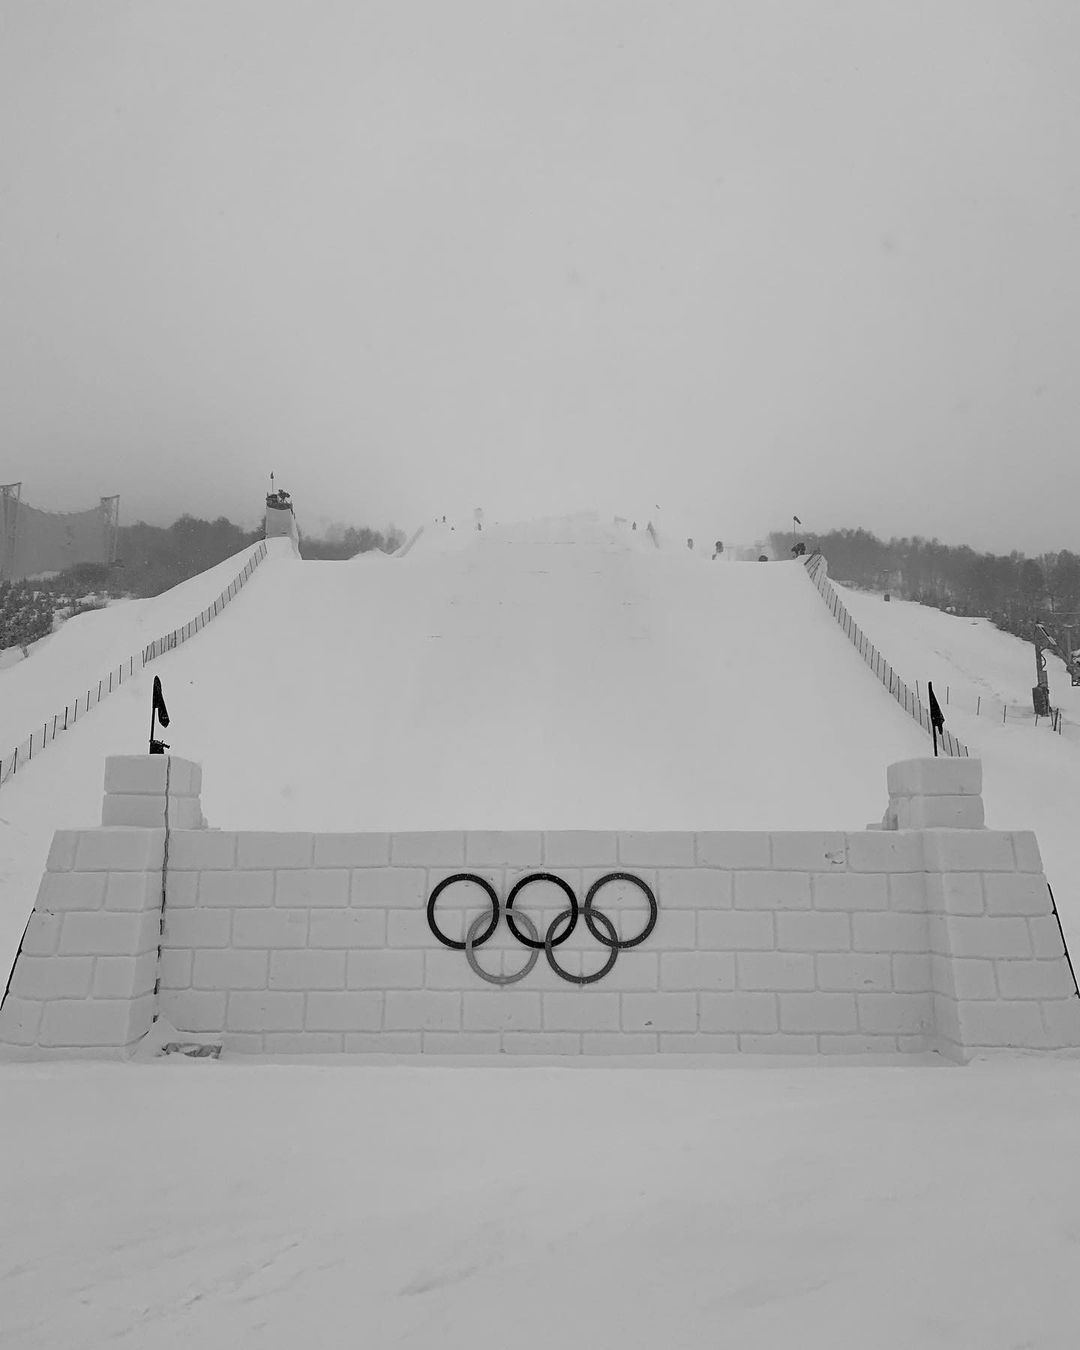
[[561, 674], [1031, 777], [90, 645]]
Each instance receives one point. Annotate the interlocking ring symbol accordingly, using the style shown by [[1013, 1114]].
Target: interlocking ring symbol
[[483, 926]]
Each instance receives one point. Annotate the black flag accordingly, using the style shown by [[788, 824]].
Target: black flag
[[937, 717], [159, 704]]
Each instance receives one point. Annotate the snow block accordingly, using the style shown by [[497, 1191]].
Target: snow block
[[352, 850], [145, 775], [146, 812], [651, 850], [202, 850], [942, 777], [61, 891], [927, 813], [734, 849], [271, 851], [504, 848], [927, 794], [135, 792], [796, 851], [1026, 849], [968, 851], [120, 850], [62, 851]]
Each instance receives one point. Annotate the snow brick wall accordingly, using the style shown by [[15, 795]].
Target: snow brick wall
[[926, 933]]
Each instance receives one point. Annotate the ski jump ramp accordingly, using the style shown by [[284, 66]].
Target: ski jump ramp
[[558, 675], [563, 675]]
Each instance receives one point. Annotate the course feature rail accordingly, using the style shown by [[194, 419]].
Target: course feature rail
[[39, 740], [909, 699]]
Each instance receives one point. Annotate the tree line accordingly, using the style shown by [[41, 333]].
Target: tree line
[[154, 558], [1012, 590], [151, 559]]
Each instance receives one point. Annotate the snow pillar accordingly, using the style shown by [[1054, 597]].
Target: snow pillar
[[927, 794], [135, 792], [85, 978]]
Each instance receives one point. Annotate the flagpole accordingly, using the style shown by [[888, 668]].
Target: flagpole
[[159, 713]]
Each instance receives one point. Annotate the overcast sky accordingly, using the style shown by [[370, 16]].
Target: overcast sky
[[741, 259]]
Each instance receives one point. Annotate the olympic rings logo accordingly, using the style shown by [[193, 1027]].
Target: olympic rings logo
[[560, 928]]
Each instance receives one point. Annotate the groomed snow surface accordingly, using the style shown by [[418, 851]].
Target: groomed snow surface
[[567, 674], [228, 1206]]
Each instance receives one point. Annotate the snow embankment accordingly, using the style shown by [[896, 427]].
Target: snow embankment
[[60, 668]]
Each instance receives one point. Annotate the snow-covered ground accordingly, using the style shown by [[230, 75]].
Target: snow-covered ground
[[62, 666], [228, 1206]]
